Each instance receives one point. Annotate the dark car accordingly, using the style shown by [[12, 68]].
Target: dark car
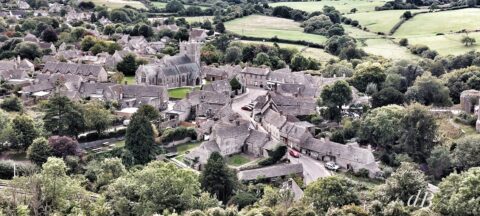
[[247, 108]]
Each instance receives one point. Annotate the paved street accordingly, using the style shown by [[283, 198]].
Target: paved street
[[243, 100], [312, 169]]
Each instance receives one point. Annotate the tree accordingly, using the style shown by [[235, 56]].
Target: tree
[[28, 50], [174, 6], [149, 111], [406, 181], [439, 161], [128, 65], [466, 152], [220, 27], [39, 151], [262, 59], [235, 84], [12, 104], [366, 73], [62, 146], [104, 172], [403, 42], [49, 35], [407, 15], [217, 178], [459, 194], [139, 191], [419, 129], [381, 126], [63, 117], [233, 55], [332, 191], [347, 210], [88, 42], [24, 130], [336, 95], [139, 139], [97, 117], [429, 90], [299, 63], [387, 96], [117, 77], [468, 41]]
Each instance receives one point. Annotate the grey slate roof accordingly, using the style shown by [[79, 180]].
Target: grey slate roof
[[270, 172], [78, 69]]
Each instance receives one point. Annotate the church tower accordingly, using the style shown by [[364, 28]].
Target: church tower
[[191, 49]]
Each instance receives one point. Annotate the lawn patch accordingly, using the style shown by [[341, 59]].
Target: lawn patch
[[130, 80], [237, 160], [182, 148], [179, 93]]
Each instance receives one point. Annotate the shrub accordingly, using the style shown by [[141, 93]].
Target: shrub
[[7, 167], [242, 199], [403, 42], [179, 133], [275, 156], [12, 104], [363, 173]]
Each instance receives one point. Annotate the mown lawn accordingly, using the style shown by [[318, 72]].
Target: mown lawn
[[268, 27], [314, 53], [119, 3], [344, 6], [130, 80], [181, 149], [237, 160], [179, 93]]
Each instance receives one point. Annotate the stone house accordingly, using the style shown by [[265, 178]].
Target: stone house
[[198, 35], [294, 134], [349, 156], [255, 77], [468, 100], [89, 73], [220, 86], [126, 95], [273, 121], [214, 73]]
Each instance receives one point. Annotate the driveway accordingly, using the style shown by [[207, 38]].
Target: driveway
[[238, 102], [312, 169]]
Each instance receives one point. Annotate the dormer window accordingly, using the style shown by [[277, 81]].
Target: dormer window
[[143, 79]]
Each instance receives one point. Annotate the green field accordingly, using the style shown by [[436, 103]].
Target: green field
[[378, 21], [183, 148], [268, 27], [446, 44], [130, 80], [197, 18], [358, 33], [119, 3], [179, 93], [314, 53], [441, 22], [386, 48], [344, 6]]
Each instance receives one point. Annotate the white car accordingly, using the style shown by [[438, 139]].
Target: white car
[[332, 166]]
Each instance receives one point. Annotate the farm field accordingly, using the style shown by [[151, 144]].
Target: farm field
[[386, 48], [344, 6], [446, 44], [268, 27], [441, 22], [197, 18], [358, 33], [113, 4], [314, 53], [378, 21]]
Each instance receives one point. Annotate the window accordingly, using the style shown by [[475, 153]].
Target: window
[[144, 78]]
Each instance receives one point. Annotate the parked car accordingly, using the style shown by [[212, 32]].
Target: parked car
[[247, 108], [294, 153], [332, 166]]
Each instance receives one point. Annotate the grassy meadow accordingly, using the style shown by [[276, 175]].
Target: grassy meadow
[[113, 4], [344, 6], [198, 18], [378, 21], [446, 44], [268, 27], [386, 48], [441, 22]]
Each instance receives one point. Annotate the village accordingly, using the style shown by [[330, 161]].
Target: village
[[143, 96]]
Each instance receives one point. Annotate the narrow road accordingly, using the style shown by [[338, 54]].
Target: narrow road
[[312, 169], [243, 100]]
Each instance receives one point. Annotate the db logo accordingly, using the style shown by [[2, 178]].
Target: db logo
[[426, 201]]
